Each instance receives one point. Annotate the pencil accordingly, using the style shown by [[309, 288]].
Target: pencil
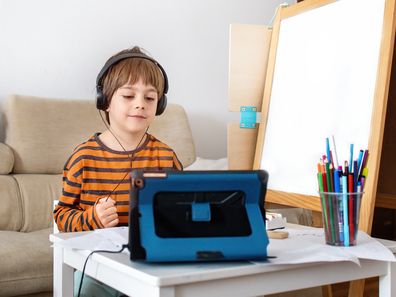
[[350, 207], [345, 209], [321, 190], [335, 151], [350, 157]]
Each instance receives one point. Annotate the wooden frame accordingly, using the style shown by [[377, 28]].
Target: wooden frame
[[377, 117]]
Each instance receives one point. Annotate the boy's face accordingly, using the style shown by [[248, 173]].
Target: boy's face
[[132, 108]]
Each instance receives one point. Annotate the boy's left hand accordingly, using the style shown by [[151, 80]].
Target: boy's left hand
[[107, 212]]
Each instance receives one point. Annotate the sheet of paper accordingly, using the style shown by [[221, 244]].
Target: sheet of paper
[[110, 239], [319, 251], [293, 250]]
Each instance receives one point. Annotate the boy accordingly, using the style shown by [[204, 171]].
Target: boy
[[96, 177], [131, 90]]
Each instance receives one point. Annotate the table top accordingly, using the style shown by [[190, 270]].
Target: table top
[[171, 273]]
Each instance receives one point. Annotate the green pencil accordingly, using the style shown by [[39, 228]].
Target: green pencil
[[329, 189], [321, 190]]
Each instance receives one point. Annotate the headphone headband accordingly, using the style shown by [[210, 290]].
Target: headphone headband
[[101, 101], [118, 58]]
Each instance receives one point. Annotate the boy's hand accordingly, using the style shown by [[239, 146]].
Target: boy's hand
[[107, 212]]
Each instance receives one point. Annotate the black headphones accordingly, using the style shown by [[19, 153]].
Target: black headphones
[[101, 100]]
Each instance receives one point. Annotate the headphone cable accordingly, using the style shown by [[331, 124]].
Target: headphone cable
[[129, 156], [131, 162]]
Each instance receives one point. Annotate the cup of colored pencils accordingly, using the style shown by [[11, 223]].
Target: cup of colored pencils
[[341, 192]]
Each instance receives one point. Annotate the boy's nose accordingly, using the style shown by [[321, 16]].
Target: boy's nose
[[140, 104]]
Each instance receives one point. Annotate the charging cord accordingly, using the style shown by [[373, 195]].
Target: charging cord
[[86, 261]]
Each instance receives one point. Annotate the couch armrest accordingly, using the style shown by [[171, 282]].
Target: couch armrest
[[7, 159]]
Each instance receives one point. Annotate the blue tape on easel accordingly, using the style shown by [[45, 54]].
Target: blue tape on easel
[[248, 117]]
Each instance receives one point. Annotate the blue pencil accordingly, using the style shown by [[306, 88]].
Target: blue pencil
[[360, 159], [328, 150], [339, 205], [350, 157], [345, 209]]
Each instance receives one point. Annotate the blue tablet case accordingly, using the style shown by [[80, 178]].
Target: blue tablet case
[[197, 216]]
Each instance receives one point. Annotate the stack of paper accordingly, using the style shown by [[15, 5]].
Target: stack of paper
[[274, 221]]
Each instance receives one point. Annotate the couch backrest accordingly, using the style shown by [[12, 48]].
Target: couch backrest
[[43, 132]]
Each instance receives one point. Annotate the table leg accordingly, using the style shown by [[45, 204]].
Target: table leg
[[166, 292], [387, 283], [63, 275]]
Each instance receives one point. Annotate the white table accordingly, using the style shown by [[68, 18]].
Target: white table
[[211, 279]]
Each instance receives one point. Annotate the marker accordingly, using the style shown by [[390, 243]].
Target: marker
[[350, 157], [322, 197], [328, 150], [350, 206], [338, 205], [360, 159], [364, 162], [355, 175], [358, 200], [345, 210], [346, 171]]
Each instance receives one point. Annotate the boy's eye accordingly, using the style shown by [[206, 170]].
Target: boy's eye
[[128, 96], [150, 98]]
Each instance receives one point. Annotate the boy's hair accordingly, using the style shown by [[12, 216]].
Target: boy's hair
[[130, 70]]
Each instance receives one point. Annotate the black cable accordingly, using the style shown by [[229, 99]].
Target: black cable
[[131, 163], [129, 156], [86, 261]]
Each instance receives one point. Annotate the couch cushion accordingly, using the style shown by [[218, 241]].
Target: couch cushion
[[37, 192], [26, 262], [11, 206], [173, 128], [7, 159], [43, 132]]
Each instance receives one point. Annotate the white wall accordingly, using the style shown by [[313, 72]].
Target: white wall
[[56, 48]]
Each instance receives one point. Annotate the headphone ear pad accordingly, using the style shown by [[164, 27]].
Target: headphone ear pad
[[161, 105], [101, 102]]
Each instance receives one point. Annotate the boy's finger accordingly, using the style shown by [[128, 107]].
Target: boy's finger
[[111, 210], [112, 217], [113, 223]]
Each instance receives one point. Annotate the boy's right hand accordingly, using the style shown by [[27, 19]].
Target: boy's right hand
[[107, 212]]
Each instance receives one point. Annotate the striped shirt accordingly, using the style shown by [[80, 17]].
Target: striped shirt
[[94, 170]]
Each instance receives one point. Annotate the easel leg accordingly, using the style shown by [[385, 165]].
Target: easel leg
[[326, 291], [356, 288]]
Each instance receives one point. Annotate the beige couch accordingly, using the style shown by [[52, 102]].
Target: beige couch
[[40, 135]]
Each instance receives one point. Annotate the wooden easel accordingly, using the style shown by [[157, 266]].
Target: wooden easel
[[237, 136], [377, 117]]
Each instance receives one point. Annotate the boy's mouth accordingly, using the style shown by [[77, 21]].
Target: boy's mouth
[[137, 116]]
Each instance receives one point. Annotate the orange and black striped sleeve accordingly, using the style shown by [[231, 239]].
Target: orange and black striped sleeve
[[68, 214]]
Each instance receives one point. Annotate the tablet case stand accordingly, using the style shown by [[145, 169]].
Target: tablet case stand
[[197, 216]]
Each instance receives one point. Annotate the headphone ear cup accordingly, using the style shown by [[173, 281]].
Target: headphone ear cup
[[161, 105], [101, 102]]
